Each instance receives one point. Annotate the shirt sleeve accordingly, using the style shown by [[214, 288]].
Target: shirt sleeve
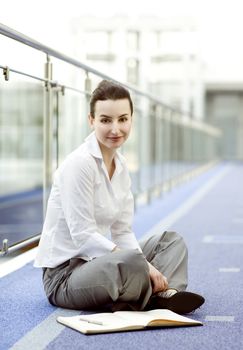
[[121, 231], [76, 184]]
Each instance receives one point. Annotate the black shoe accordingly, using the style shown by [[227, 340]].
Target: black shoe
[[180, 302]]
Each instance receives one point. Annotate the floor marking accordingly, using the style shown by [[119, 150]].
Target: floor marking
[[229, 269], [16, 263], [168, 221], [41, 335], [220, 318], [207, 239], [225, 239]]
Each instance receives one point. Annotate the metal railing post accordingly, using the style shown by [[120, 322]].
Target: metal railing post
[[47, 133], [87, 88]]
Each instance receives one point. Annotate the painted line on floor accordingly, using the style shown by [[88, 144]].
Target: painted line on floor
[[187, 205], [220, 318], [40, 336], [13, 264], [223, 239], [229, 269]]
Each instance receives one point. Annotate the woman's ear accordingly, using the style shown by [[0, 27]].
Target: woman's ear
[[91, 121]]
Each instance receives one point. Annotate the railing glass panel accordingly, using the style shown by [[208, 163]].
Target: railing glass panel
[[21, 158], [44, 106]]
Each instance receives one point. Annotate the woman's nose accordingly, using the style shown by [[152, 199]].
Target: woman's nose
[[115, 128]]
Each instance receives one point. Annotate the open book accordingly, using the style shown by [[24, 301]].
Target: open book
[[125, 321]]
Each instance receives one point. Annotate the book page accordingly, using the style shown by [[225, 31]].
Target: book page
[[108, 322], [125, 320], [108, 319], [156, 316], [136, 317], [172, 316]]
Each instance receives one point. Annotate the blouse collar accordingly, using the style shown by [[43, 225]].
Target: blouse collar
[[94, 149]]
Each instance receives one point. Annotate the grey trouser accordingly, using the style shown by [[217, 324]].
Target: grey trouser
[[121, 277]]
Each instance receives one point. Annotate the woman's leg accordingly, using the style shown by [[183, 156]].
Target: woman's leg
[[117, 278], [168, 253]]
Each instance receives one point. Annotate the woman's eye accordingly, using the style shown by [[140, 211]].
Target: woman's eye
[[123, 120], [105, 121]]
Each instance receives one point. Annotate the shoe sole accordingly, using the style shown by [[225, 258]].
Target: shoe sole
[[184, 302]]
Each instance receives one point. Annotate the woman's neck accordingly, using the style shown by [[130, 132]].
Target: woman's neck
[[109, 159]]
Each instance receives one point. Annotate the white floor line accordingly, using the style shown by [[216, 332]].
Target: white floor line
[[41, 335], [187, 205], [229, 269], [223, 239], [208, 239], [220, 318], [17, 262]]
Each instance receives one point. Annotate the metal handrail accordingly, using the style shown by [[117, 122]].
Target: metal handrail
[[53, 83], [7, 250], [13, 34]]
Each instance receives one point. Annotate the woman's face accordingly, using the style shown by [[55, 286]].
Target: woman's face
[[112, 122]]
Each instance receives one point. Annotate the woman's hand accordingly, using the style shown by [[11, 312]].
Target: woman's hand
[[116, 249], [158, 280]]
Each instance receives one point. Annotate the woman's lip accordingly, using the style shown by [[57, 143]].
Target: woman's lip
[[115, 138]]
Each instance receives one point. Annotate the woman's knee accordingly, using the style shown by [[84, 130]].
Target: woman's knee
[[168, 241], [133, 262], [173, 236], [134, 276]]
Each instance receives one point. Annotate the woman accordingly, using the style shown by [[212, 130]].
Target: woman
[[90, 198]]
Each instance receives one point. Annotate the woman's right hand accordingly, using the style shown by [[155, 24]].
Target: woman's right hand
[[158, 280], [116, 249]]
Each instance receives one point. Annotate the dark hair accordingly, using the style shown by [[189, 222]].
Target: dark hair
[[108, 90]]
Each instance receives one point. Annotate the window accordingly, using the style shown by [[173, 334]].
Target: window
[[133, 71], [133, 40]]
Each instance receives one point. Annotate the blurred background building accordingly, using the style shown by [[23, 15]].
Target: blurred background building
[[160, 55], [166, 57]]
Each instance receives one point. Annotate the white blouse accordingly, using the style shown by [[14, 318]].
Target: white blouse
[[85, 206]]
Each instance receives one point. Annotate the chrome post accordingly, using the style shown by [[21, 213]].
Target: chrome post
[[140, 124], [161, 150], [170, 146], [87, 88], [4, 250], [87, 83], [6, 73], [47, 133]]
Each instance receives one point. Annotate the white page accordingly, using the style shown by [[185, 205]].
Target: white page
[[144, 317]]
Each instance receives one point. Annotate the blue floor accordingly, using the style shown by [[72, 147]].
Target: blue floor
[[21, 216], [213, 231]]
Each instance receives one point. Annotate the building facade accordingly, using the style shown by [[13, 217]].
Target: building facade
[[166, 57]]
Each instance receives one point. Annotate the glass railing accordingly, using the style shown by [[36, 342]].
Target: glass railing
[[44, 99]]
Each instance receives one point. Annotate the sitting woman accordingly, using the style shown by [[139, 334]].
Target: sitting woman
[[91, 199]]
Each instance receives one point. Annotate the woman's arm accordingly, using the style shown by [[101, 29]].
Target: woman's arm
[[76, 186], [121, 230], [123, 236]]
